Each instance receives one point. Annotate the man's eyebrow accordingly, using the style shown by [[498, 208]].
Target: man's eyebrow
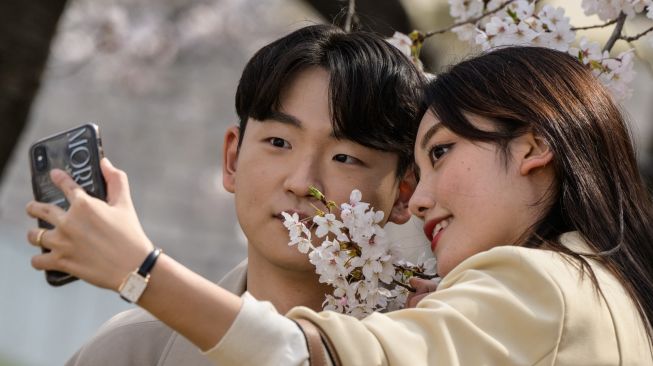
[[427, 136], [285, 118]]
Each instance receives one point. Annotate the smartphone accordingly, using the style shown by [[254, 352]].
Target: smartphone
[[77, 151]]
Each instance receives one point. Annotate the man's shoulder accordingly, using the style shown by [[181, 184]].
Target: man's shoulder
[[133, 337], [136, 337]]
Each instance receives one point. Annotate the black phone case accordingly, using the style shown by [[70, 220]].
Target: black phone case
[[77, 151]]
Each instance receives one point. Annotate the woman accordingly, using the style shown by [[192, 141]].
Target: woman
[[536, 213]]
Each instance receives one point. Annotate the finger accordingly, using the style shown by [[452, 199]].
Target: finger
[[117, 184], [45, 211], [37, 237], [421, 285], [45, 261], [412, 302], [67, 185]]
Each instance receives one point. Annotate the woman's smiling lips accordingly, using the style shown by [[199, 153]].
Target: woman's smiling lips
[[433, 229]]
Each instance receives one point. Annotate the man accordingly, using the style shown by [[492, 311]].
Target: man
[[318, 107]]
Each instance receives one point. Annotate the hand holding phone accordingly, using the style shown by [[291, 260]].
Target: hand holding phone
[[100, 241], [77, 151]]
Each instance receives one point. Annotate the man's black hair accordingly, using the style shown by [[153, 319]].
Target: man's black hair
[[375, 91]]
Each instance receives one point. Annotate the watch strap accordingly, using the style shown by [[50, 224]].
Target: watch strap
[[149, 262]]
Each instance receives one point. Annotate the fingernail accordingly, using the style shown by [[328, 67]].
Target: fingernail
[[56, 174]]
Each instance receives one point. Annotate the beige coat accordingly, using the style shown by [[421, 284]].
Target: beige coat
[[507, 306], [137, 338]]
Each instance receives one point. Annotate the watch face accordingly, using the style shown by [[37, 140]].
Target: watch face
[[133, 287]]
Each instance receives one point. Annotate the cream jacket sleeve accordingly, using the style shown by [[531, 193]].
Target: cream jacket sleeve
[[506, 306], [495, 308], [260, 336]]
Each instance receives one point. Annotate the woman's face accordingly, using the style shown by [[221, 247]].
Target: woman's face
[[472, 198]]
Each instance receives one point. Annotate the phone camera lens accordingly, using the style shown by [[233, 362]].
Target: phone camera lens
[[40, 158]]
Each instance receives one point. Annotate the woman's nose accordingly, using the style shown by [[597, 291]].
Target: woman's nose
[[421, 201]]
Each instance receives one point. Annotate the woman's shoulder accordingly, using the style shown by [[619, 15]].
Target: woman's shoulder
[[541, 263], [537, 275]]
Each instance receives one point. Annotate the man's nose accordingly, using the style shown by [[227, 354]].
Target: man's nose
[[302, 175]]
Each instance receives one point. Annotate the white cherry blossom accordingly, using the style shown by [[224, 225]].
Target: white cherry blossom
[[358, 267], [328, 224], [465, 9], [402, 42], [523, 9], [553, 17], [560, 39], [465, 32], [587, 51]]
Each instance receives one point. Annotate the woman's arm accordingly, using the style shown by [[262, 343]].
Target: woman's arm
[[187, 302], [102, 242]]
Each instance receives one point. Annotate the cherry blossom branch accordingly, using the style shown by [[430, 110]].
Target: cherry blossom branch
[[636, 37], [407, 287], [425, 276], [351, 10], [616, 33], [596, 26], [415, 273], [468, 21]]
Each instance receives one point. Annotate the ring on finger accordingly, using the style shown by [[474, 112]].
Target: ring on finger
[[39, 237]]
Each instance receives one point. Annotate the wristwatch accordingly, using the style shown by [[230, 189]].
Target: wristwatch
[[135, 283]]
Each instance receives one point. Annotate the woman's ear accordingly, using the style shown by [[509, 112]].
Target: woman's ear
[[400, 213], [230, 158], [534, 154]]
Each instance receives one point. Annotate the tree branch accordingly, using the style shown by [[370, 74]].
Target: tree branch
[[636, 37], [351, 10], [407, 287], [595, 26], [468, 21], [616, 33]]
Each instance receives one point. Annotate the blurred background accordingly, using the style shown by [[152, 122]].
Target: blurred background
[[159, 77]]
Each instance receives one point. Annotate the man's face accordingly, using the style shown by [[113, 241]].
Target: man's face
[[281, 157]]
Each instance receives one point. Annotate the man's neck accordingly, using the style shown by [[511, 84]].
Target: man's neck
[[284, 288]]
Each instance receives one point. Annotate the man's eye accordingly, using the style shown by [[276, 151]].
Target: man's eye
[[279, 142], [438, 151], [347, 159]]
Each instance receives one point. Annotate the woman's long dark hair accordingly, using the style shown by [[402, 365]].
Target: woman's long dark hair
[[598, 191]]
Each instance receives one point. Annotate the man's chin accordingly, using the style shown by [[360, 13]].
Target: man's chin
[[282, 255]]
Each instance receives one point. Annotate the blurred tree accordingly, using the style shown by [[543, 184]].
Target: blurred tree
[[26, 30], [383, 17]]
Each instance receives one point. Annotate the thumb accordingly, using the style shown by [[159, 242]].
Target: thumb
[[117, 184]]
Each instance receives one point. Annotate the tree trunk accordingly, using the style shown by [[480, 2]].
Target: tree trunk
[[26, 31]]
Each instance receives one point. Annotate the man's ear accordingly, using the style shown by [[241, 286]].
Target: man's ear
[[230, 158], [535, 153], [400, 213]]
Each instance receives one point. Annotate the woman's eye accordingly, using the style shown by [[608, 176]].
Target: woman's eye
[[438, 151], [279, 142], [344, 158]]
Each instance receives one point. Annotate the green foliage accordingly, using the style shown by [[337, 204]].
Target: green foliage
[[5, 361]]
